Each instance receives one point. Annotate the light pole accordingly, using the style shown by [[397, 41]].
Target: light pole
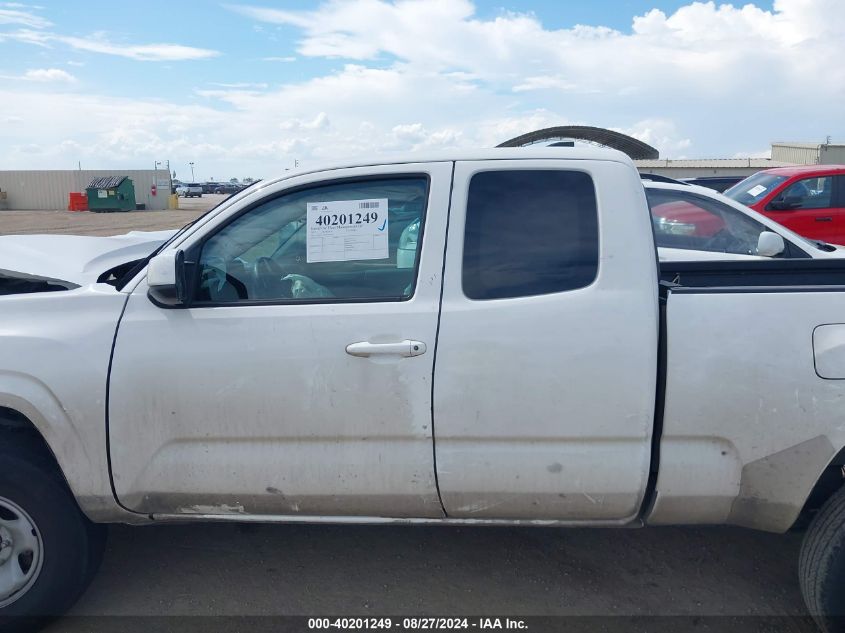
[[192, 171], [155, 174]]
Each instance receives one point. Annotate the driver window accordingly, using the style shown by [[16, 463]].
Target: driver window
[[344, 241], [809, 193], [691, 222]]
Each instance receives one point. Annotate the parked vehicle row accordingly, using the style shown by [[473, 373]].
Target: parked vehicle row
[[227, 188], [289, 356], [716, 183], [694, 223], [197, 189], [809, 200], [189, 190]]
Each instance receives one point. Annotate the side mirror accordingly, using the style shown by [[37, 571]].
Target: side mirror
[[785, 204], [166, 279], [770, 244]]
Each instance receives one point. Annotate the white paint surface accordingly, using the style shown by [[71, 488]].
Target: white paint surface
[[543, 406]]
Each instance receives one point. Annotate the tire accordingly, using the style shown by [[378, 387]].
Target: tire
[[47, 541], [821, 565]]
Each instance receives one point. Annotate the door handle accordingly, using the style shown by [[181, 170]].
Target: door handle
[[404, 348], [825, 219]]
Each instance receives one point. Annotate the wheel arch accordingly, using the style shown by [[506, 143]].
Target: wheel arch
[[830, 480], [29, 407], [17, 425]]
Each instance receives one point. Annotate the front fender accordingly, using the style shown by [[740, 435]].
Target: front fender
[[54, 358]]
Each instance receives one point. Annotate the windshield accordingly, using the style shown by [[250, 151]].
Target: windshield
[[754, 188]]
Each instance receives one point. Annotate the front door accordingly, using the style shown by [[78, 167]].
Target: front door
[[299, 381], [812, 207]]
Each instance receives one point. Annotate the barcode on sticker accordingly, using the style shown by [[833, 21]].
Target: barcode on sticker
[[368, 205]]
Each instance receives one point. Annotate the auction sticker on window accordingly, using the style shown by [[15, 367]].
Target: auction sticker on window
[[347, 230]]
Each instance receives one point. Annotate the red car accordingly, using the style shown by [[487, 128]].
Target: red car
[[809, 200]]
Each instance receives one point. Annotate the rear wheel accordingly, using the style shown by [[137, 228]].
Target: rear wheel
[[821, 565], [48, 549]]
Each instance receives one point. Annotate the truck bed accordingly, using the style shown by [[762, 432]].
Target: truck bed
[[754, 275], [755, 381]]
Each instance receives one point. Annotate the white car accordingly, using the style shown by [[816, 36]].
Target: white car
[[693, 223], [189, 190], [475, 338]]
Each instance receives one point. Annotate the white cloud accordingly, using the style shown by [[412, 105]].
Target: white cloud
[[660, 133], [706, 80], [319, 122], [15, 13], [546, 82], [241, 85], [48, 74], [98, 43], [286, 60], [43, 75], [417, 136], [445, 34], [141, 52]]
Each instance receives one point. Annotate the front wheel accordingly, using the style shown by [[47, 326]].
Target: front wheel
[[821, 565], [48, 548]]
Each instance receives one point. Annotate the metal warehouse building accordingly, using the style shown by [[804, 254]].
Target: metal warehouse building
[[27, 190], [809, 153], [708, 167]]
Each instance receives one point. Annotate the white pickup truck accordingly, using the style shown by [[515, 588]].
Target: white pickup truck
[[480, 338]]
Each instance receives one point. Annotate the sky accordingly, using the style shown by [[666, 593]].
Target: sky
[[248, 89]]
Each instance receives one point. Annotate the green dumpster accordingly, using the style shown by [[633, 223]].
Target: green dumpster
[[111, 193]]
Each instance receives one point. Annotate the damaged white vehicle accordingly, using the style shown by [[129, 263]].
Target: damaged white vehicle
[[44, 263], [478, 338]]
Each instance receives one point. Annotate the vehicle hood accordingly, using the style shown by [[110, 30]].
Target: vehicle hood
[[73, 260]]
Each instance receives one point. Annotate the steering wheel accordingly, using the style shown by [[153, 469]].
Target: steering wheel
[[267, 280]]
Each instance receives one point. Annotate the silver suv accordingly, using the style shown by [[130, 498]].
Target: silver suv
[[189, 190]]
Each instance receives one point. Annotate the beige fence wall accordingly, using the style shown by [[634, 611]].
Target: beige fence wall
[[798, 154], [809, 154], [832, 155], [50, 189]]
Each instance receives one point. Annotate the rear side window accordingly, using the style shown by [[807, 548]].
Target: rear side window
[[530, 232]]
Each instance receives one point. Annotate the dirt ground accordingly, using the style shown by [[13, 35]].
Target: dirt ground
[[88, 223], [702, 579]]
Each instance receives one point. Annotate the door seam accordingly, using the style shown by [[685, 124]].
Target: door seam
[[437, 341], [107, 401]]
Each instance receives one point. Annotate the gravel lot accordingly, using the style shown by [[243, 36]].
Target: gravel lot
[[87, 223], [695, 574], [732, 575]]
